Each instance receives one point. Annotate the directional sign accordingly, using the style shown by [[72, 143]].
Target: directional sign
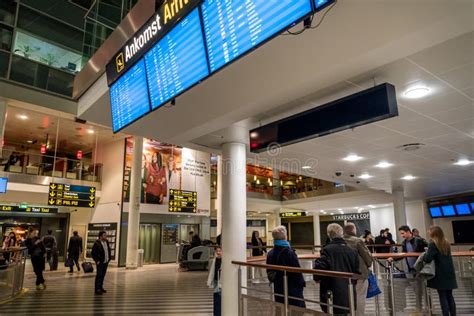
[[71, 195], [28, 209], [182, 201]]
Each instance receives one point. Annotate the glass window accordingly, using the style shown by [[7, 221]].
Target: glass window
[[7, 12], [4, 57], [6, 34], [60, 82], [44, 52], [28, 72]]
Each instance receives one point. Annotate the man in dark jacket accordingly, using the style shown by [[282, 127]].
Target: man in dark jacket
[[101, 254], [411, 243], [283, 255], [336, 256], [383, 239], [74, 251], [50, 244]]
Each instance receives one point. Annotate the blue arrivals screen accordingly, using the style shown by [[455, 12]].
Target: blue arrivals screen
[[129, 97], [448, 210], [177, 61], [233, 28], [435, 212], [463, 209], [319, 4], [3, 185]]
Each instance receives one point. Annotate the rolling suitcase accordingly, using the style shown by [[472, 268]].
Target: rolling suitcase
[[87, 267]]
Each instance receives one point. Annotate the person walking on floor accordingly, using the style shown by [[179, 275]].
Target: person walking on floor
[[74, 251], [101, 254], [50, 244], [444, 280], [365, 261], [214, 280], [36, 250]]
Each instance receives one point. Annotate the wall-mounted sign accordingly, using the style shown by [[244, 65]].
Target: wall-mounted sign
[[28, 209], [71, 195], [351, 217], [292, 214], [182, 201]]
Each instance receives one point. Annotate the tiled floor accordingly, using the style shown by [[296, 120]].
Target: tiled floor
[[152, 290]]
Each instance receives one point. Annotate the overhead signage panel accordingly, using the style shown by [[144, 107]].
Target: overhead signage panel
[[71, 195], [29, 209], [233, 28], [177, 62], [182, 201], [292, 214], [129, 97], [154, 29]]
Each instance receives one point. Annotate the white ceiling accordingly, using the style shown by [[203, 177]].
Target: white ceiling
[[401, 42]]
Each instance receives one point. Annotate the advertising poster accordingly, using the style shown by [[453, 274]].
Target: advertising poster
[[167, 167]]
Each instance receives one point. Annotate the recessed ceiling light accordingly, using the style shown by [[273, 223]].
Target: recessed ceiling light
[[306, 167], [408, 177], [22, 117], [90, 131], [342, 212], [463, 162], [359, 211], [371, 206], [384, 164], [332, 213], [356, 208], [416, 92], [365, 176], [253, 135], [352, 157]]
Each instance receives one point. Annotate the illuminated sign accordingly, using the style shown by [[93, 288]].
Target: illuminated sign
[[351, 217], [154, 29], [29, 209], [182, 201], [292, 214], [71, 195], [3, 185]]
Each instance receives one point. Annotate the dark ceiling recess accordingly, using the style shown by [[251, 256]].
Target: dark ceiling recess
[[368, 106], [86, 4]]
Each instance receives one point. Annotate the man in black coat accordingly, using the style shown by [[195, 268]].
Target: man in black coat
[[101, 254], [74, 251], [283, 255], [336, 256]]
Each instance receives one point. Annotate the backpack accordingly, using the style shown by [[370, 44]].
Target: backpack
[[272, 274]]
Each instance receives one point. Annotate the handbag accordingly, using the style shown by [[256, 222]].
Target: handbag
[[68, 263], [87, 267], [425, 270], [373, 288]]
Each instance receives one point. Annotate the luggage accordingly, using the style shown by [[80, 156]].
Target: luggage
[[87, 267]]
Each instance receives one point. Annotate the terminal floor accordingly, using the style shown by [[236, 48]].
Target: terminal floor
[[157, 289]]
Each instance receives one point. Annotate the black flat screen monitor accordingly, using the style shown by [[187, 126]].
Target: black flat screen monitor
[[463, 232]]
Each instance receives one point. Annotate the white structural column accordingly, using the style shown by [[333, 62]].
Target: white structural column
[[234, 209], [276, 183], [219, 195], [316, 227], [399, 210], [3, 121], [134, 204]]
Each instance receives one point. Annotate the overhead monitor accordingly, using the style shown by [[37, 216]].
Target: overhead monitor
[[321, 4], [3, 185], [233, 28], [435, 211], [463, 209], [129, 97], [177, 62], [448, 210]]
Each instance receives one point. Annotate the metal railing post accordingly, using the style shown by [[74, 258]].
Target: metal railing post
[[351, 298], [391, 288], [377, 301], [429, 302], [285, 289], [330, 303], [239, 282]]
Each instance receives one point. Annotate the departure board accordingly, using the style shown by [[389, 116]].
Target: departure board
[[320, 4], [232, 28], [129, 97], [177, 61]]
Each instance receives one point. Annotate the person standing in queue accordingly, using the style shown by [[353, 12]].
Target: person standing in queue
[[74, 251], [101, 254], [36, 250], [283, 255], [365, 261], [444, 280], [336, 256], [258, 247]]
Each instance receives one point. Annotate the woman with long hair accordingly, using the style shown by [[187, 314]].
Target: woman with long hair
[[444, 281], [257, 242], [155, 180]]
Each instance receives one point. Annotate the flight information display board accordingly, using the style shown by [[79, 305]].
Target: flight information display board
[[177, 62], [129, 97], [232, 28], [321, 4]]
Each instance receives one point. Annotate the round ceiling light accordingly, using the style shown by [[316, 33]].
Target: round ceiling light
[[416, 92], [463, 162]]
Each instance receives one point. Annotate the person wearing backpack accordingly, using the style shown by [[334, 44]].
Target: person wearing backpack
[[283, 255], [49, 242]]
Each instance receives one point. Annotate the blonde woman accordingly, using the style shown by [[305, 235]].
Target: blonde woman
[[444, 281]]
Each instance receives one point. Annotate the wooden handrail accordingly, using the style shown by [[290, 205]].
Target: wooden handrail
[[324, 273]]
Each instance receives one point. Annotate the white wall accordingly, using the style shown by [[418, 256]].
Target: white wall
[[381, 218], [418, 216]]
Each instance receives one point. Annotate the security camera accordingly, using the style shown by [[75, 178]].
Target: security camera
[[352, 176], [358, 182], [338, 173]]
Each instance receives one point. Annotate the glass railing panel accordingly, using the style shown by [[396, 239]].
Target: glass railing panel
[[60, 82], [4, 58]]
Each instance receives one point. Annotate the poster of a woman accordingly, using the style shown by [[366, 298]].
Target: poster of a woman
[[156, 188]]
